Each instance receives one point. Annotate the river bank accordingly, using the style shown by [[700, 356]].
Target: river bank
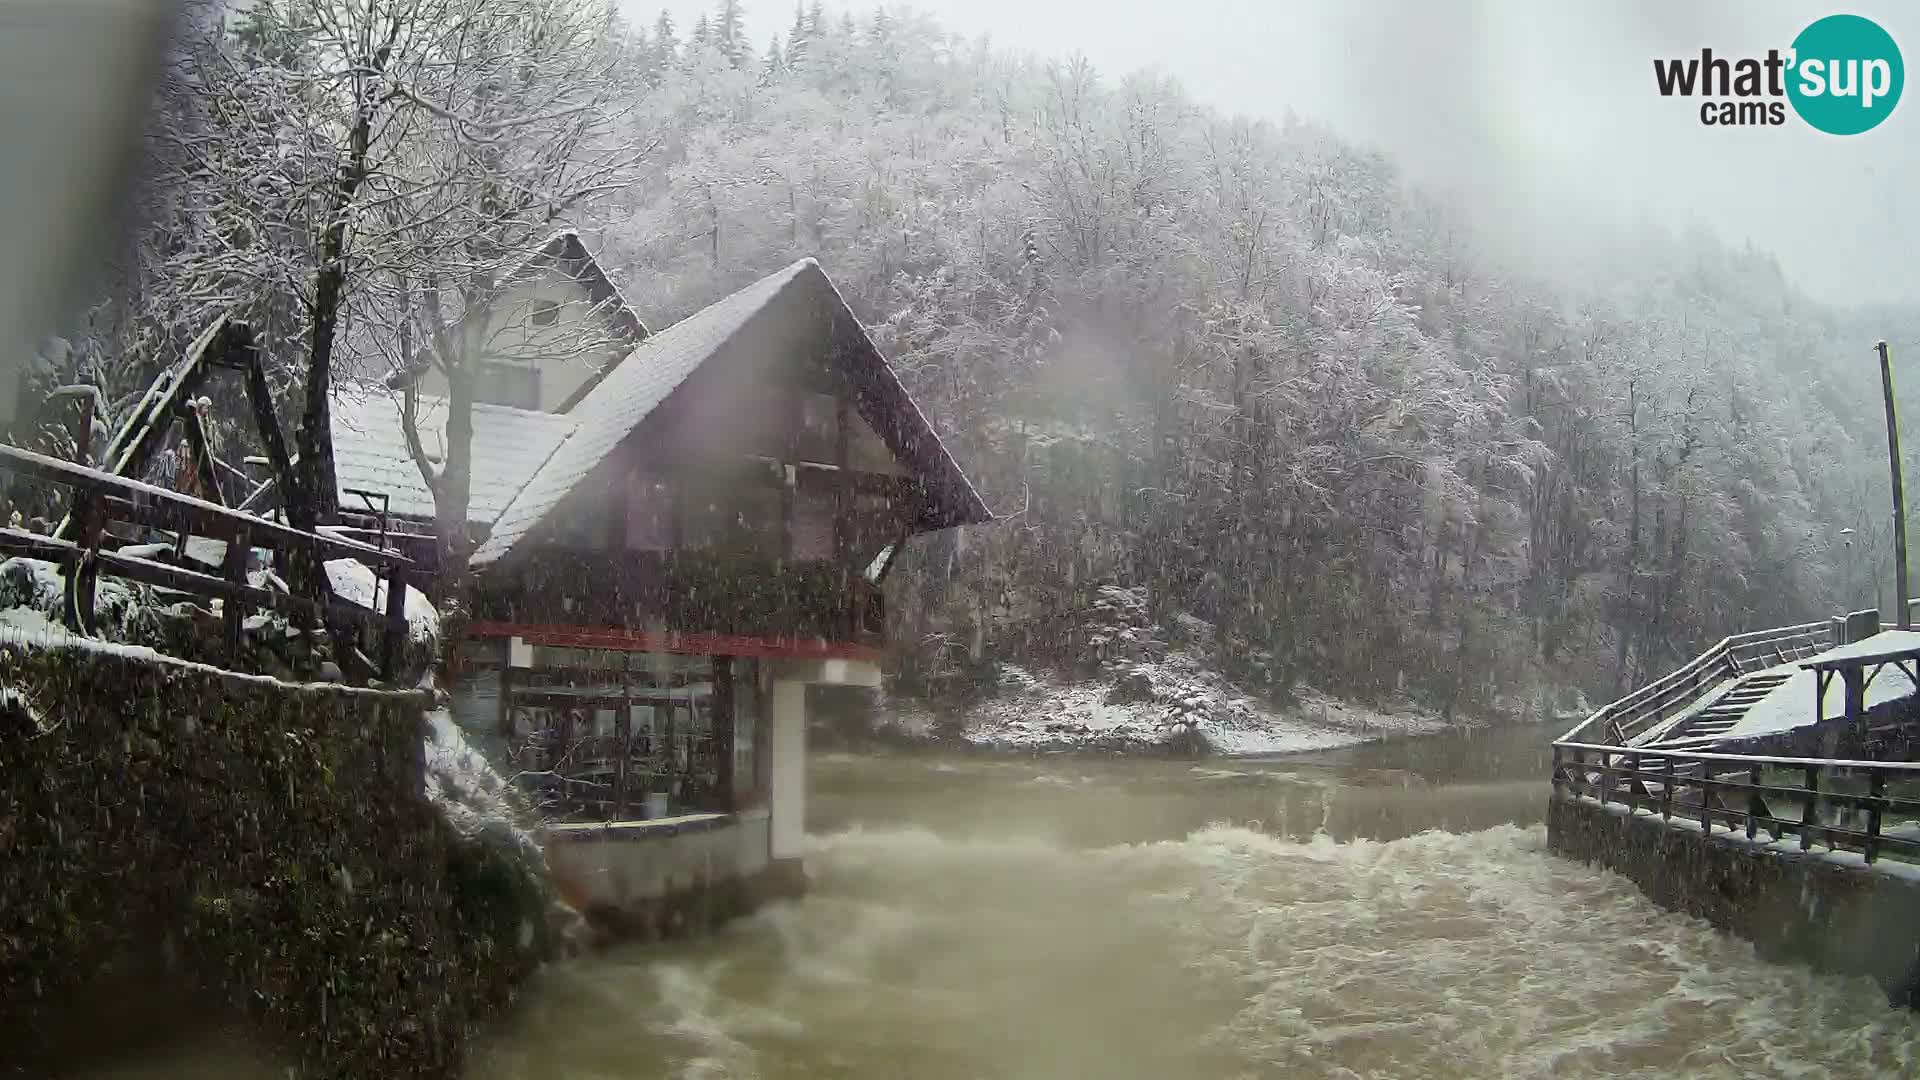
[[1176, 704]]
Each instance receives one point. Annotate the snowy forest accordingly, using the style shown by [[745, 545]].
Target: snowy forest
[[1241, 365]]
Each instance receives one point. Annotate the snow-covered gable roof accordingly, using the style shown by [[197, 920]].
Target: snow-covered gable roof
[[615, 406], [624, 397], [370, 450], [566, 253]]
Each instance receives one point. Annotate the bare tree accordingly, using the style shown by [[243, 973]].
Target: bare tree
[[520, 126]]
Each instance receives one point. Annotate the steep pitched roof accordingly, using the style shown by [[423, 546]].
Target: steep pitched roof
[[370, 450], [566, 252], [614, 407], [623, 398]]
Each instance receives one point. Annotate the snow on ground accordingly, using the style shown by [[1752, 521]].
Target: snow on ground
[[1790, 705], [473, 797], [32, 629], [1032, 713]]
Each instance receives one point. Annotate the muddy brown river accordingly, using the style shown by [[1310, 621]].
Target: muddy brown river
[[1384, 911]]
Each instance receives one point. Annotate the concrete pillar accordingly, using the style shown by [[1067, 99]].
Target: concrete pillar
[[788, 799]]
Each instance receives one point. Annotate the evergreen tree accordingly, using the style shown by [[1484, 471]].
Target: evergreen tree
[[730, 33], [702, 33], [666, 47], [773, 64], [798, 38]]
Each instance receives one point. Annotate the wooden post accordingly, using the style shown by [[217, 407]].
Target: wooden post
[[260, 397], [843, 518], [762, 735], [82, 572], [83, 435], [623, 732], [232, 609], [562, 753], [1854, 677], [1876, 789], [393, 632], [1899, 492], [1754, 806], [1811, 812], [1556, 770], [724, 731], [1706, 797], [1666, 793], [209, 476]]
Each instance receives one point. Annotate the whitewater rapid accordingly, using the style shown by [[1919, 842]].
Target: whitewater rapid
[[1378, 912], [1228, 950]]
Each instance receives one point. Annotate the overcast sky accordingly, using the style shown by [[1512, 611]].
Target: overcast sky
[[1542, 115]]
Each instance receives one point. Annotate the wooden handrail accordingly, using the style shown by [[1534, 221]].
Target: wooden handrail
[[1905, 767], [1730, 779], [1712, 666], [102, 496], [93, 481]]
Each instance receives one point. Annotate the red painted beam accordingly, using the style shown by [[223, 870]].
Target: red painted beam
[[614, 637]]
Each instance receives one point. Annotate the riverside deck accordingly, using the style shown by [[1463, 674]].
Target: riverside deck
[[1690, 787]]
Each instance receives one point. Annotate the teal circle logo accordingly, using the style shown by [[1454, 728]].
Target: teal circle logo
[[1846, 75]]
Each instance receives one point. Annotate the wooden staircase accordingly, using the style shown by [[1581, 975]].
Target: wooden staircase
[[1723, 712]]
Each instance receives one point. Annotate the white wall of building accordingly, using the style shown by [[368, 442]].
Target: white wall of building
[[566, 352], [788, 799]]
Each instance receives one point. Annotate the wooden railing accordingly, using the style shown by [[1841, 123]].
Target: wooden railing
[[100, 498], [1620, 722], [1780, 796]]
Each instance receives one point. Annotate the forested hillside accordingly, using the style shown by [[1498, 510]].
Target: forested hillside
[[1250, 368], [1246, 366]]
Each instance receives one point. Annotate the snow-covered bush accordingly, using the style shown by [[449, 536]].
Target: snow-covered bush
[[125, 610]]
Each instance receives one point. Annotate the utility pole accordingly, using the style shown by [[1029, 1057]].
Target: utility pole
[[1899, 495]]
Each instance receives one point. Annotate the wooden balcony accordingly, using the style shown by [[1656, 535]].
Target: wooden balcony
[[699, 592]]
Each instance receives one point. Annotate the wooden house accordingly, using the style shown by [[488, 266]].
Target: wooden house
[[672, 543]]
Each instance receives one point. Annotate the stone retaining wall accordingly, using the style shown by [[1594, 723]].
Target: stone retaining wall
[[182, 847], [1831, 911]]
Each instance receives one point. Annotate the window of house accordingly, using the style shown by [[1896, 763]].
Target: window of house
[[812, 524], [707, 517], [872, 525], [583, 523], [819, 437], [734, 507], [649, 511], [503, 382], [546, 313]]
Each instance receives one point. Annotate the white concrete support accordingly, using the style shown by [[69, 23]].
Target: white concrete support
[[789, 743], [832, 672]]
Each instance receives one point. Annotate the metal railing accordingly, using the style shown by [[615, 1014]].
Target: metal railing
[[1620, 722], [1840, 804]]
